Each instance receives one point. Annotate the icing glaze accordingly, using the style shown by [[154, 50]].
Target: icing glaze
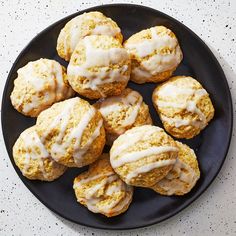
[[49, 89], [156, 62], [178, 122], [135, 156], [180, 179], [132, 137], [132, 101], [189, 103], [105, 30], [148, 167], [34, 149], [102, 58], [102, 27], [92, 198], [61, 121], [78, 154]]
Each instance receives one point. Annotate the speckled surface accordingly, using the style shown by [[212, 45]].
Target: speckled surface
[[214, 213]]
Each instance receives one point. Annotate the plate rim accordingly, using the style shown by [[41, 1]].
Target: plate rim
[[97, 8]]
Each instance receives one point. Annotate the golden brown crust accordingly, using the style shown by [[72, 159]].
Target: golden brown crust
[[101, 190], [92, 84], [128, 106], [39, 84], [183, 177], [84, 25], [92, 140], [142, 62], [202, 101], [31, 161], [148, 138]]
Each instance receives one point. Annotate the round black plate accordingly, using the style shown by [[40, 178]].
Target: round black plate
[[211, 145]]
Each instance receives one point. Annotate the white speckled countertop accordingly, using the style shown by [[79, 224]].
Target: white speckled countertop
[[214, 213]]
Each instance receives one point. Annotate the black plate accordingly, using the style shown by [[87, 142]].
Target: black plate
[[211, 145]]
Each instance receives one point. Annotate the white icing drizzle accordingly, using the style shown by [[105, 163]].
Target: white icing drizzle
[[78, 154], [148, 167], [180, 179], [60, 145], [173, 91], [140, 74], [54, 81], [148, 46], [92, 190], [103, 27], [75, 32], [112, 189], [132, 137], [92, 199], [135, 156], [189, 106], [28, 74], [61, 119], [160, 63], [125, 201], [182, 122], [110, 105], [101, 58], [92, 178], [35, 102], [105, 30], [157, 63], [34, 149], [77, 132], [61, 90], [132, 101], [116, 206]]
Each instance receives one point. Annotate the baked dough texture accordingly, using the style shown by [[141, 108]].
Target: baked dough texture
[[99, 67], [91, 23], [32, 158], [72, 132], [183, 105], [101, 190], [123, 112], [155, 54], [38, 85], [143, 155], [184, 175]]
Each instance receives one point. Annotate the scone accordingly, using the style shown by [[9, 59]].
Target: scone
[[123, 112], [155, 53], [33, 159], [91, 23], [39, 84], [184, 175], [72, 132], [101, 190], [99, 67], [143, 155], [183, 105]]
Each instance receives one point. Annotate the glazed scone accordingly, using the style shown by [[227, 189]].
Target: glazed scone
[[72, 132], [184, 175], [39, 84], [155, 54], [183, 105], [143, 155], [123, 112], [32, 158], [101, 190], [99, 67], [91, 23]]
